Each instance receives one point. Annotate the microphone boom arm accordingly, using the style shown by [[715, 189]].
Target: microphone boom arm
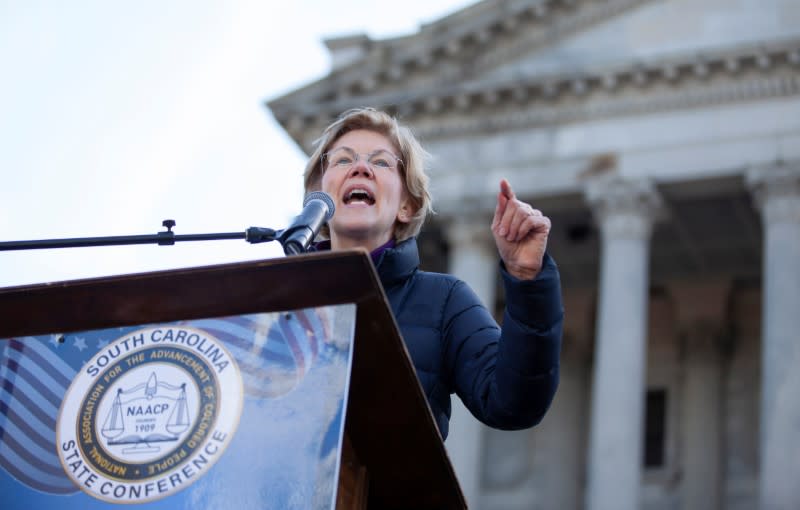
[[252, 235]]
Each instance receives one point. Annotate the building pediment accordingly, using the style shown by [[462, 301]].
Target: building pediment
[[565, 57]]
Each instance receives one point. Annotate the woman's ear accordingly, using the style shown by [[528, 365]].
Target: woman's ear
[[405, 213]]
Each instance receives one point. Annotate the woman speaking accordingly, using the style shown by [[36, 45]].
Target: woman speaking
[[373, 168]]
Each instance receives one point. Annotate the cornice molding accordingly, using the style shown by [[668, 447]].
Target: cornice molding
[[697, 95], [742, 73]]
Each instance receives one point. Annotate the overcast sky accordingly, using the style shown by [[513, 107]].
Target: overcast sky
[[117, 115]]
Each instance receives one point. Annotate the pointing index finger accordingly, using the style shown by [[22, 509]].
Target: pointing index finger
[[505, 189]]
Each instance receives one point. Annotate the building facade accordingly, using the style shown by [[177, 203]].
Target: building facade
[[662, 137]]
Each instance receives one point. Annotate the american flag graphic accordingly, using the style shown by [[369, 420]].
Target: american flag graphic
[[274, 351], [34, 379]]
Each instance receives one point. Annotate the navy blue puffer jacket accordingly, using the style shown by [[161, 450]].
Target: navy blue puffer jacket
[[506, 376]]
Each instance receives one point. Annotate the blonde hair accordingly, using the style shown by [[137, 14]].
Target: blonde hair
[[412, 163]]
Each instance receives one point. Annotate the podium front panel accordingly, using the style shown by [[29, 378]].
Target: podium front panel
[[244, 411]]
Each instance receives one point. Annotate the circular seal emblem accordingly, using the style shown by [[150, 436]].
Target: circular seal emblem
[[149, 414]]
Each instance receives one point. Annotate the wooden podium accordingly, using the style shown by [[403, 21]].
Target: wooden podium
[[392, 456]]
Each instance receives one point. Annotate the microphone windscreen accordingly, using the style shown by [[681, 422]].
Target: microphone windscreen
[[321, 195]]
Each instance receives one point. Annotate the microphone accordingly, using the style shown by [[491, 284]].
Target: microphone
[[318, 209]]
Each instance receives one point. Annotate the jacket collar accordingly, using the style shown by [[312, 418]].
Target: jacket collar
[[394, 264], [398, 263]]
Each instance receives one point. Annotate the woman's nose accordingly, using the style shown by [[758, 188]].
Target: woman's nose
[[361, 167]]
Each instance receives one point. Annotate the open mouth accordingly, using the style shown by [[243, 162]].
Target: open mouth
[[358, 195]]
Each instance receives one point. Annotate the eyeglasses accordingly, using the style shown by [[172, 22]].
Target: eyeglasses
[[345, 158]]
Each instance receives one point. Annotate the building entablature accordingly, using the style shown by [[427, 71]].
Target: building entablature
[[679, 81]]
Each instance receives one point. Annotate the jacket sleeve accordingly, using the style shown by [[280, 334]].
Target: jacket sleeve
[[507, 376]]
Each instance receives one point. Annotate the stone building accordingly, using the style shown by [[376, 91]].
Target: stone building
[[662, 137]]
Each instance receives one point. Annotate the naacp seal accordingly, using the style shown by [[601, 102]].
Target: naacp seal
[[149, 414]]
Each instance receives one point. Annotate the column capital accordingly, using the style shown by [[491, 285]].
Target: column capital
[[624, 208], [776, 189], [472, 230]]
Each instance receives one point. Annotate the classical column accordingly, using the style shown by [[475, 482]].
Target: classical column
[[625, 211], [701, 322], [473, 258], [777, 194], [559, 451]]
